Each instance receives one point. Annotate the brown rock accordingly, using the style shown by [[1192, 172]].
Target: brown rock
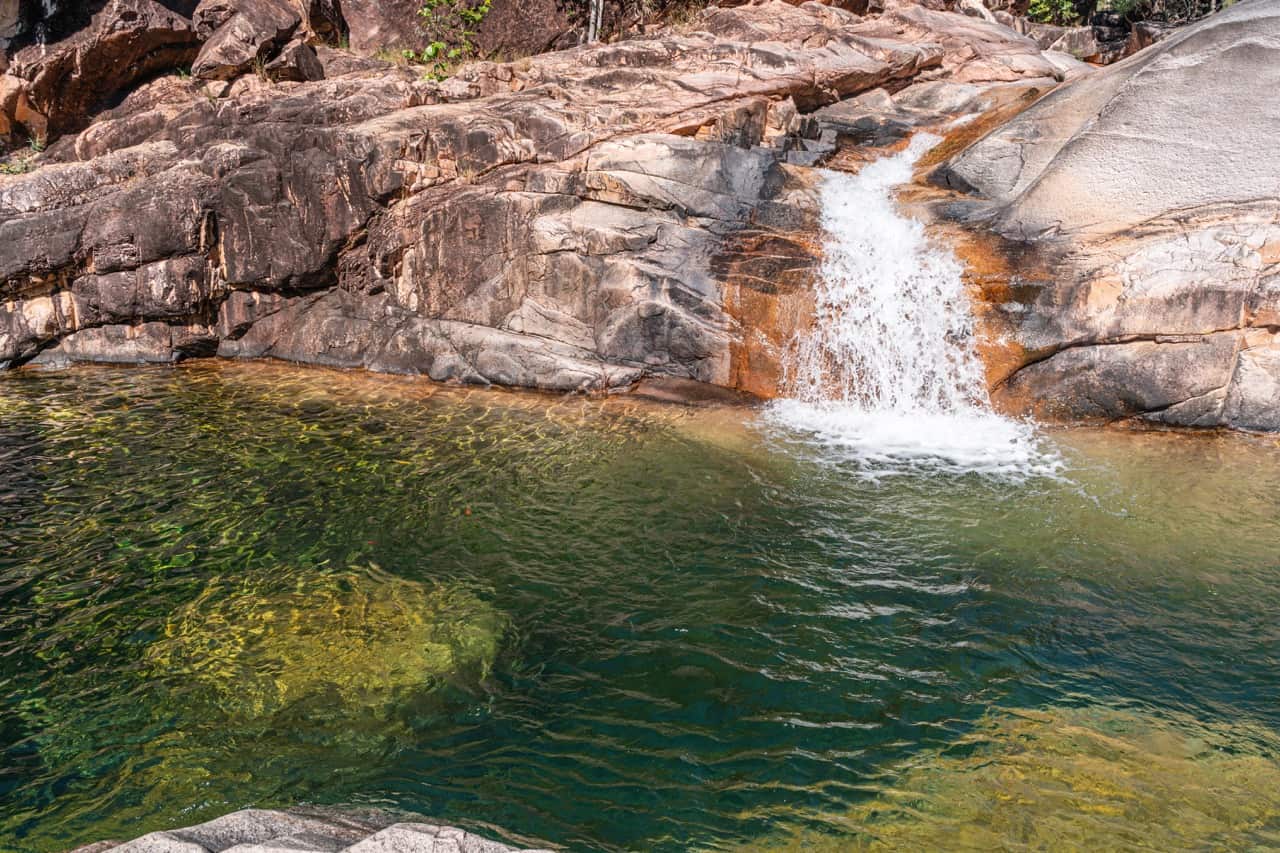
[[1146, 33], [384, 24], [242, 35], [296, 62], [1078, 42], [516, 28], [974, 50], [61, 84], [1162, 295]]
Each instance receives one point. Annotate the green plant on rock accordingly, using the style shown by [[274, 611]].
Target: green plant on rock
[[17, 166], [451, 26], [1061, 13]]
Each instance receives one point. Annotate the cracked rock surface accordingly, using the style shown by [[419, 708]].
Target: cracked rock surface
[[1150, 193]]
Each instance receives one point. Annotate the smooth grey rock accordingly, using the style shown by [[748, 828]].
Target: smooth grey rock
[[427, 838], [160, 842], [1150, 191], [1136, 141]]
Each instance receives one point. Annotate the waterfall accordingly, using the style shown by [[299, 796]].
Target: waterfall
[[889, 372]]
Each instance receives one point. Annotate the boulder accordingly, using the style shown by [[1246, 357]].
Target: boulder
[[512, 28], [375, 25], [975, 9], [1146, 33], [10, 26], [1078, 42], [516, 28], [296, 62], [241, 35], [1158, 238]]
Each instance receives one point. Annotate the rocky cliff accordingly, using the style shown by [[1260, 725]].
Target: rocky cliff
[[583, 219], [1140, 208], [221, 179]]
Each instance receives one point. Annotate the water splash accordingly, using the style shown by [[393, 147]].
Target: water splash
[[888, 373]]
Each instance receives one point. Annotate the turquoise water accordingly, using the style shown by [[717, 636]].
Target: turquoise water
[[646, 628]]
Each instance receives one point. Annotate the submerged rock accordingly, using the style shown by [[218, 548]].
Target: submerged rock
[[319, 676], [362, 639], [1081, 778], [1149, 193]]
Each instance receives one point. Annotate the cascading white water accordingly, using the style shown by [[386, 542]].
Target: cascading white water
[[888, 372]]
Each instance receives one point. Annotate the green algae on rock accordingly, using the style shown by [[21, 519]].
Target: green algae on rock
[[362, 636], [1088, 778]]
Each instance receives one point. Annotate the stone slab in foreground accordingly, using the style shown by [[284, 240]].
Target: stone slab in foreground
[[306, 831]]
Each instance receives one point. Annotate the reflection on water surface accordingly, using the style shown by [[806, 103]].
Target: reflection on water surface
[[606, 624]]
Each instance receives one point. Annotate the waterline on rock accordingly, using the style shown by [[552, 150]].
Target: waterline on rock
[[888, 373]]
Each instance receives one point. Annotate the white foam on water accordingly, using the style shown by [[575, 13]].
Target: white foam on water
[[888, 374]]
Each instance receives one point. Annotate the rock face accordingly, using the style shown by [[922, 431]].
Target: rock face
[[1150, 194], [580, 220], [240, 34], [49, 89], [307, 831]]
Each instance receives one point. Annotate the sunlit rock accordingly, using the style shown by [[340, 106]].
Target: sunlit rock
[[1145, 249]]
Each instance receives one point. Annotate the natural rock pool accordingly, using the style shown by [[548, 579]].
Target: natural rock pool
[[606, 624]]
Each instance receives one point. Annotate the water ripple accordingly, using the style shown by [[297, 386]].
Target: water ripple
[[708, 632]]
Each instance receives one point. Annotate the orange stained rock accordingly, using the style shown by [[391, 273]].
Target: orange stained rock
[[767, 282]]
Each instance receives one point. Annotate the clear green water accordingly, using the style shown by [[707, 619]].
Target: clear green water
[[612, 626]]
